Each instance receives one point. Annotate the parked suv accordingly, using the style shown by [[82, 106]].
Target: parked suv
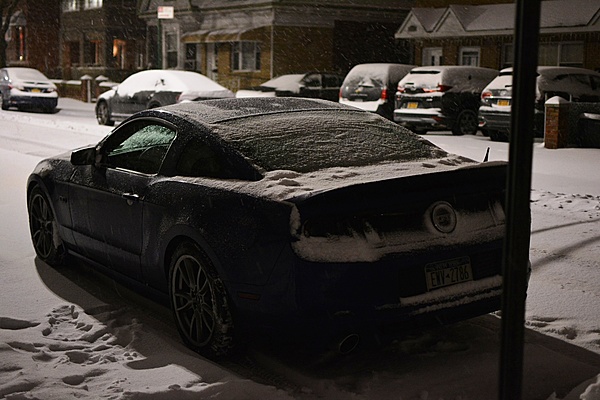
[[441, 98], [573, 84], [371, 87]]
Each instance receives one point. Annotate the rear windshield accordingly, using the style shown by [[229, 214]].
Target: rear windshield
[[367, 75], [426, 79], [306, 142]]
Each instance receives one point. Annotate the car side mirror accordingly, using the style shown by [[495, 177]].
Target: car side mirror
[[84, 156]]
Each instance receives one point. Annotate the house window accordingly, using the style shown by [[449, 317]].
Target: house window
[[469, 56], [119, 53], [246, 56], [432, 56], [70, 5], [172, 48], [89, 4], [92, 54], [562, 54], [21, 47], [192, 63], [508, 55]]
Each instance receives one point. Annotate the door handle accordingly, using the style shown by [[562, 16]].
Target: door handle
[[131, 198]]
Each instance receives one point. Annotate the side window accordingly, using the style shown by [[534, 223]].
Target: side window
[[141, 148], [198, 159], [312, 81]]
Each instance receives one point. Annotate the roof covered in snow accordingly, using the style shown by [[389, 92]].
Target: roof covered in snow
[[567, 15]]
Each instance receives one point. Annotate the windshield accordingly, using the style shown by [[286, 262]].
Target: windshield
[[306, 142]]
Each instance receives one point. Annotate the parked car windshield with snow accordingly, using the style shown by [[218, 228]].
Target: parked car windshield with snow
[[155, 88], [27, 88], [318, 221], [570, 83], [371, 87], [441, 98], [314, 85]]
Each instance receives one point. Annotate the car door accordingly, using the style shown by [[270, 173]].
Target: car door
[[311, 86], [107, 198]]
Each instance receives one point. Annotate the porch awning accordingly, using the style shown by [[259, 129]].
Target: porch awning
[[217, 35]]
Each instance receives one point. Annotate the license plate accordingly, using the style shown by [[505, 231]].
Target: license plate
[[504, 102], [448, 272], [412, 104], [36, 91]]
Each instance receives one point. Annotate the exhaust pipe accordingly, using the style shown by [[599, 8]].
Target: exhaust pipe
[[347, 344]]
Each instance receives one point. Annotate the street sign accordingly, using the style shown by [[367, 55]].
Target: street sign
[[166, 12]]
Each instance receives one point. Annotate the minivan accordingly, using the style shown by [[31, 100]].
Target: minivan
[[571, 83], [441, 98], [372, 86]]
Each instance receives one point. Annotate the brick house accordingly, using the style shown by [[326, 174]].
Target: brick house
[[242, 43], [32, 36], [482, 35], [101, 37]]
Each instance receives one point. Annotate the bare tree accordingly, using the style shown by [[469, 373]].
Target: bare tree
[[7, 9]]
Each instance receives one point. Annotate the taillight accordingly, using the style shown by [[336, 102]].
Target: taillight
[[444, 88], [485, 95], [384, 94]]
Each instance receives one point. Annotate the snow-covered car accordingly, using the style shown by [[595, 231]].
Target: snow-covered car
[[155, 88], [27, 88], [441, 98], [571, 83], [305, 218], [313, 85], [372, 87]]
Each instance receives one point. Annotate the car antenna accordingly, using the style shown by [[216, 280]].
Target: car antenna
[[487, 155]]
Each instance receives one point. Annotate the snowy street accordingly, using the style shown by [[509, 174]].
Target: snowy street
[[73, 333]]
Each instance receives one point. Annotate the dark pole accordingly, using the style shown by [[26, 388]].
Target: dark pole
[[518, 226]]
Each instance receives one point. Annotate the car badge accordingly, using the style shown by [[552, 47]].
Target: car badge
[[443, 217]]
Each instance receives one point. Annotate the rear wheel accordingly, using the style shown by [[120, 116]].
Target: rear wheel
[[103, 114], [200, 304], [44, 229], [466, 123]]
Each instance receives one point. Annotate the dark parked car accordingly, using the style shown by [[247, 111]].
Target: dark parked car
[[313, 85], [155, 88], [278, 215], [372, 87], [27, 88], [570, 83], [442, 98]]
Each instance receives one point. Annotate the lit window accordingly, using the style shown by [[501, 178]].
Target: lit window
[[70, 5], [88, 4], [246, 56]]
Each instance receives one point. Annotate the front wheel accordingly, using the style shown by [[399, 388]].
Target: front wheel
[[103, 114], [44, 229], [199, 301], [466, 123]]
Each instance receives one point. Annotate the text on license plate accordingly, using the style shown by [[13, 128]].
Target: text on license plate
[[412, 104], [448, 272], [504, 102]]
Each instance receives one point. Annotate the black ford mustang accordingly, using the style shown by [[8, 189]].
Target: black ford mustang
[[278, 215]]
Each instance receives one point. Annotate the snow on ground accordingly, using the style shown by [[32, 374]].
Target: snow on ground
[[71, 333]]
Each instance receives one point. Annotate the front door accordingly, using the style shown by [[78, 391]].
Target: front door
[[107, 199]]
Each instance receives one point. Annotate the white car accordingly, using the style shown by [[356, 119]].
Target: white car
[[26, 88], [155, 88]]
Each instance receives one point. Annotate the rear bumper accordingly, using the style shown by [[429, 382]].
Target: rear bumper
[[33, 101], [430, 118]]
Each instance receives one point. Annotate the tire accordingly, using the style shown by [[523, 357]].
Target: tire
[[44, 229], [199, 301], [103, 114], [4, 104], [466, 123]]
